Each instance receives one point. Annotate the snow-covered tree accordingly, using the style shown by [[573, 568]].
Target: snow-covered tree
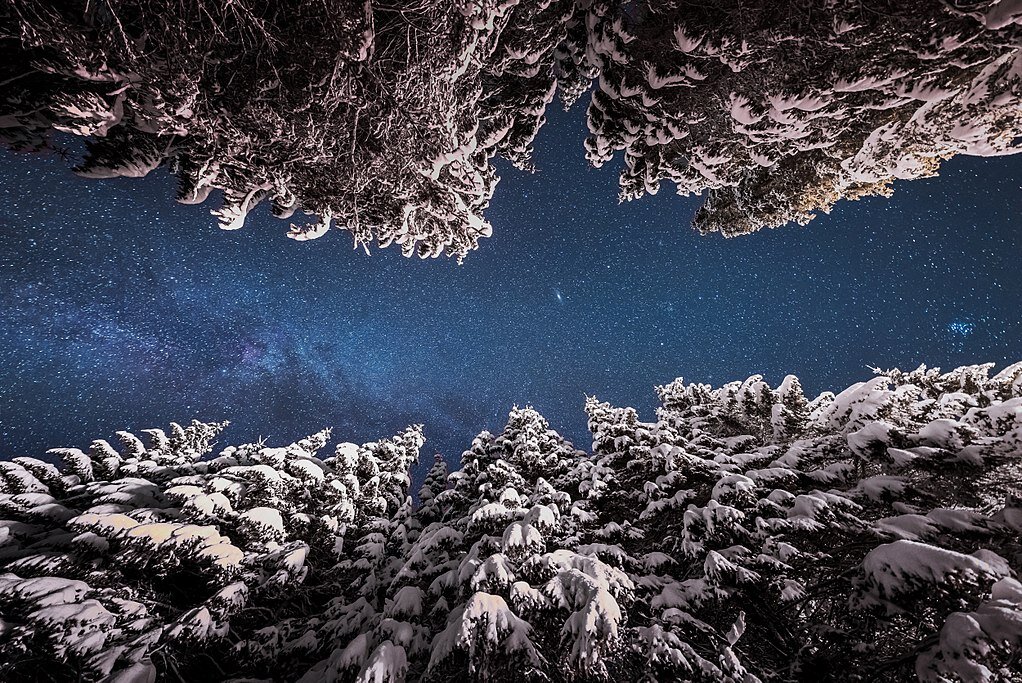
[[379, 117], [746, 533], [151, 566], [778, 111]]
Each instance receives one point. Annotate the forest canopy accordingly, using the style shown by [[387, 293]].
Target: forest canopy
[[748, 533], [383, 118]]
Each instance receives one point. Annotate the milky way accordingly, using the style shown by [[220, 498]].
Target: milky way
[[121, 309]]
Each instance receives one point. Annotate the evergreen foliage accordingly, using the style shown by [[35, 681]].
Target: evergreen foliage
[[382, 117], [777, 110], [747, 534], [379, 116]]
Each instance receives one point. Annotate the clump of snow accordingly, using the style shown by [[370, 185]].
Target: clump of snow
[[893, 569]]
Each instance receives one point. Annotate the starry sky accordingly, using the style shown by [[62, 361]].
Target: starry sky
[[121, 309]]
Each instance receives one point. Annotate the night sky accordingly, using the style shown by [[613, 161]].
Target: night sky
[[120, 308]]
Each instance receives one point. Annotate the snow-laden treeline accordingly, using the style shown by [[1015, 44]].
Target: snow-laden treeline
[[383, 117], [747, 534]]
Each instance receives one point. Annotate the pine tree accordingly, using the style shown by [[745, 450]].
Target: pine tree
[[430, 509], [790, 415]]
